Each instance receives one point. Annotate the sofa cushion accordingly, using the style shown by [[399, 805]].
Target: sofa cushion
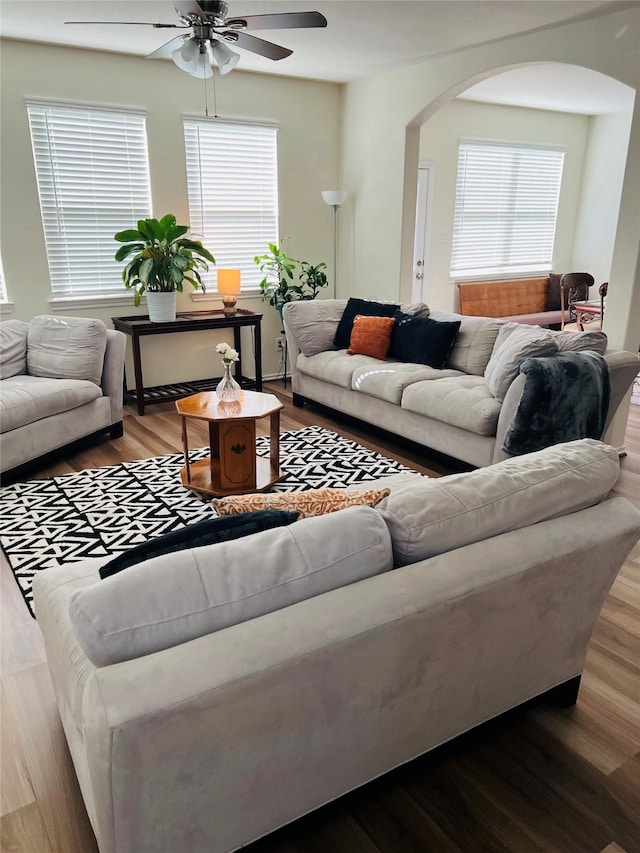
[[422, 340], [26, 399], [335, 366], [513, 344], [307, 503], [388, 381], [205, 532], [178, 597], [462, 401], [581, 341], [365, 307], [13, 348], [314, 335], [474, 343], [66, 347], [595, 341], [432, 516], [371, 336]]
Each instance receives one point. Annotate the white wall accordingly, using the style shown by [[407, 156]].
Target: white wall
[[597, 218], [439, 140], [381, 117], [308, 150]]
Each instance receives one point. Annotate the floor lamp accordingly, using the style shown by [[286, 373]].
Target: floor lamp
[[335, 199]]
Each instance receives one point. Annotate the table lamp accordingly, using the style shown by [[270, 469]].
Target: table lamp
[[229, 286]]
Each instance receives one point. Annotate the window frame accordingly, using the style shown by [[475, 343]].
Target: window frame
[[492, 233], [113, 145], [202, 211]]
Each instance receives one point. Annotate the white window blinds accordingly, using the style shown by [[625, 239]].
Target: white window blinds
[[232, 178], [506, 208], [93, 180]]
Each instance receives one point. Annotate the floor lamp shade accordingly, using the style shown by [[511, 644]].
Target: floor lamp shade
[[335, 198], [229, 287]]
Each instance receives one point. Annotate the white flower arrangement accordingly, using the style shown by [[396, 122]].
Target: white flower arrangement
[[229, 354]]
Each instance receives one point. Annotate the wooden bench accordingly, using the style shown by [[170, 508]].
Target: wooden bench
[[521, 300]]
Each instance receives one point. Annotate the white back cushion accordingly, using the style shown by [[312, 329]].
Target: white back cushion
[[474, 343], [13, 348], [66, 347], [177, 597], [514, 343], [431, 516]]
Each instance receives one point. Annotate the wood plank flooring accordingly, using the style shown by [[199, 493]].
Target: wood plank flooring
[[558, 781]]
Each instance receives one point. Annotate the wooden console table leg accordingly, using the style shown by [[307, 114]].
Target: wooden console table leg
[[258, 356], [237, 344], [137, 371]]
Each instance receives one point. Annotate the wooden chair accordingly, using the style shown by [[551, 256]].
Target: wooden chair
[[590, 314], [574, 287]]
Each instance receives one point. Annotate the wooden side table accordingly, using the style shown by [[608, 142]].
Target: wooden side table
[[233, 467]]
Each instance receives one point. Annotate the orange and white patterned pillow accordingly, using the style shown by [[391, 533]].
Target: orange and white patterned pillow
[[311, 502]]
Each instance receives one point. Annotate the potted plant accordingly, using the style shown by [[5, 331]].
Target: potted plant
[[161, 258], [280, 284]]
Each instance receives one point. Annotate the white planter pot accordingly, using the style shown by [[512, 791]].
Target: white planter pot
[[161, 306]]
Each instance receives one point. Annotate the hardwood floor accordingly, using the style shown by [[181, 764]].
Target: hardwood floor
[[543, 780]]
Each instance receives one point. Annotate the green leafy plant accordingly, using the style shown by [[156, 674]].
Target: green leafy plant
[[161, 257], [283, 282]]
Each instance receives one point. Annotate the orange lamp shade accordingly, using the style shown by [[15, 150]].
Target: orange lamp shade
[[229, 282], [229, 285]]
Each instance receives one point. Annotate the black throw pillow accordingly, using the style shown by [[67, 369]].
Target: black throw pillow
[[366, 307], [421, 340], [207, 532]]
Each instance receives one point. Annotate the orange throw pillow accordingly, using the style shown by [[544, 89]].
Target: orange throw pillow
[[308, 503], [371, 336]]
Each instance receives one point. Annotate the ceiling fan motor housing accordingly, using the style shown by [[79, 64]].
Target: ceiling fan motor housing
[[214, 9]]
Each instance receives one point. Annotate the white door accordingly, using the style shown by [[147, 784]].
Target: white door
[[423, 229]]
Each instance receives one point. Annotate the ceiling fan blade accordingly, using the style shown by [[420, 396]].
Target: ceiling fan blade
[[256, 45], [131, 24], [279, 21], [168, 48], [188, 7]]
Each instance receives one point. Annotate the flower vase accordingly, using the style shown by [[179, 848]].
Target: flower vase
[[228, 389]]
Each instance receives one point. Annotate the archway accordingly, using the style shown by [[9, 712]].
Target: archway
[[594, 132]]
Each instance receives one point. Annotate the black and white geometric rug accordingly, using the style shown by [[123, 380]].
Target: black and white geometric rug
[[102, 511]]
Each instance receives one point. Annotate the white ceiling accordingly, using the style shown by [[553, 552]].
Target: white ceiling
[[363, 37]]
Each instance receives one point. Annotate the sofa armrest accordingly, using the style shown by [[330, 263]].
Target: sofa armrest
[[113, 372], [624, 366]]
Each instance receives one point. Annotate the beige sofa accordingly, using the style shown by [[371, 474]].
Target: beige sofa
[[208, 700], [453, 410], [61, 379]]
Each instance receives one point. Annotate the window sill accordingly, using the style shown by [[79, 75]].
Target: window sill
[[74, 302], [500, 275], [7, 307]]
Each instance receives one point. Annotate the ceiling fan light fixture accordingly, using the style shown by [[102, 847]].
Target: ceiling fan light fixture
[[193, 58], [226, 59]]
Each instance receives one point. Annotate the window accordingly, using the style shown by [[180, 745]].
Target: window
[[506, 208], [232, 179], [93, 180]]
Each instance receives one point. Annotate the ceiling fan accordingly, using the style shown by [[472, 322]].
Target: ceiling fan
[[211, 29]]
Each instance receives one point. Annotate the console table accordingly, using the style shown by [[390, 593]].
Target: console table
[[189, 321]]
